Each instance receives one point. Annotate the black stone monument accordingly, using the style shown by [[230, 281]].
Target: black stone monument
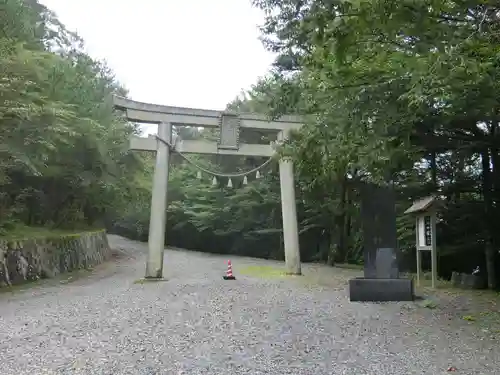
[[381, 280]]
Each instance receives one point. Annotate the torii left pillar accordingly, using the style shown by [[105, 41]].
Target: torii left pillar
[[158, 216]]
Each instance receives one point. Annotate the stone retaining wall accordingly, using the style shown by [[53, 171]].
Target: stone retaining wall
[[37, 258]]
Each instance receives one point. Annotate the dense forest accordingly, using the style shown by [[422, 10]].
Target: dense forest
[[406, 89]]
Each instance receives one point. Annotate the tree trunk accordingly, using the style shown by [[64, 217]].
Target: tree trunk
[[341, 252], [495, 210], [459, 176], [488, 207], [347, 228], [331, 250], [434, 171]]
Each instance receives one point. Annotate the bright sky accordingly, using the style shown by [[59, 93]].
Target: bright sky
[[187, 53]]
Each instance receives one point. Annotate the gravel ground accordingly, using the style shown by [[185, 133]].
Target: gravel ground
[[196, 323]]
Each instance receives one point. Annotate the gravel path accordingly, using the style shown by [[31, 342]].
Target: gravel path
[[196, 323]]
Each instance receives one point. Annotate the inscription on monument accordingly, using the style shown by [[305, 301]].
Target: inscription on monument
[[379, 228], [229, 132]]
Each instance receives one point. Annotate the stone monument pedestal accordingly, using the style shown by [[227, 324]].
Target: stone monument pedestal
[[362, 289]]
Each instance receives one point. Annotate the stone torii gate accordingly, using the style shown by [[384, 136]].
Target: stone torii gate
[[229, 123]]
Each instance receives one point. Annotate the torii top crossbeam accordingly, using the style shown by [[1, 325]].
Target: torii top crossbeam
[[155, 114]]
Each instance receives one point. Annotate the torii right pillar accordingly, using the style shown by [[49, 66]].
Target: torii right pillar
[[289, 213]]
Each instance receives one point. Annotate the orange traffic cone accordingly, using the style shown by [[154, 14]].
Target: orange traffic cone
[[229, 272]]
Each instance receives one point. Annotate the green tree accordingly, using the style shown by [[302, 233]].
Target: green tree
[[63, 150]]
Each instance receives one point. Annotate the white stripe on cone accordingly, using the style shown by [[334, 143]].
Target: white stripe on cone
[[229, 272]]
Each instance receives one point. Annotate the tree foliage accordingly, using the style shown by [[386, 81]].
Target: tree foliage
[[406, 91], [63, 151]]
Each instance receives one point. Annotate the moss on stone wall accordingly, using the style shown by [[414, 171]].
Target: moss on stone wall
[[31, 259]]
